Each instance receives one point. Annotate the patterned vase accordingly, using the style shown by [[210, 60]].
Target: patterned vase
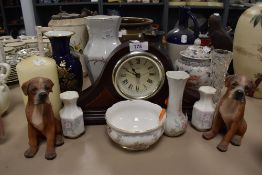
[[248, 45], [103, 39], [69, 67], [176, 120]]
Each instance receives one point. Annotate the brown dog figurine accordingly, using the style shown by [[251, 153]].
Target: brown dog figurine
[[230, 111], [40, 117]]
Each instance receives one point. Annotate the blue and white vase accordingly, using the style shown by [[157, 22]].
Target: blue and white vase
[[181, 36]]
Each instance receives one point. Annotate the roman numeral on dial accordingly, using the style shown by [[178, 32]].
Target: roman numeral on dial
[[152, 74], [137, 61], [137, 88], [125, 81], [130, 86], [150, 67], [149, 81]]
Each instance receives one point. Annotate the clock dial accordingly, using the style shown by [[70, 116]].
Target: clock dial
[[138, 75]]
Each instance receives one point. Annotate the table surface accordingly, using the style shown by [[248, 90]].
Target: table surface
[[95, 154]]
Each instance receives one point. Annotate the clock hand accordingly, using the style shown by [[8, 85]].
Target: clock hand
[[129, 71], [134, 70], [138, 75]]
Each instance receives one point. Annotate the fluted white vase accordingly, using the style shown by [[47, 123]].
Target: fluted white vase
[[176, 120], [203, 110], [71, 115]]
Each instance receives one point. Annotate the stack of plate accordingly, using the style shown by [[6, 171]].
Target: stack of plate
[[12, 61]]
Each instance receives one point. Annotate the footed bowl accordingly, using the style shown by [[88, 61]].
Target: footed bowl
[[135, 124]]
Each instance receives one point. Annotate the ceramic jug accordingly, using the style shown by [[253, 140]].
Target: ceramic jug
[[4, 90], [103, 39], [71, 115], [247, 57], [176, 121], [181, 36], [203, 110]]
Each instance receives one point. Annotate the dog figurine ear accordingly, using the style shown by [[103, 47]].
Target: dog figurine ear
[[229, 79], [25, 87], [51, 84]]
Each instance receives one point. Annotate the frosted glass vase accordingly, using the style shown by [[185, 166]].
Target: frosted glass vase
[[219, 64]]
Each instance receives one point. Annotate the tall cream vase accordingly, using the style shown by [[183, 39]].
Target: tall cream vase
[[247, 53]]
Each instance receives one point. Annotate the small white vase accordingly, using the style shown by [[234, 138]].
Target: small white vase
[[103, 39], [176, 121], [71, 115], [203, 110], [4, 90]]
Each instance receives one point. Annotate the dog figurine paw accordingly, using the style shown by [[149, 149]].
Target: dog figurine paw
[[40, 117], [230, 112]]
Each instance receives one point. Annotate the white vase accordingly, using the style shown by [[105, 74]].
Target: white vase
[[203, 110], [103, 39], [71, 115], [176, 121], [4, 90]]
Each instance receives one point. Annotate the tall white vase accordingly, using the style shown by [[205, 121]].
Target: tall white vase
[[176, 121], [204, 109], [71, 115], [103, 39]]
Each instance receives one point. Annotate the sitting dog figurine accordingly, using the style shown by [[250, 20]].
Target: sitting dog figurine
[[40, 117], [230, 111]]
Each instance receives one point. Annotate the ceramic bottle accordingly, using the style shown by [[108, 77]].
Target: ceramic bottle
[[203, 110], [68, 64], [176, 120], [103, 39], [4, 90], [181, 36], [71, 115]]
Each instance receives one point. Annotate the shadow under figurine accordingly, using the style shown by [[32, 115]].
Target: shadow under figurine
[[230, 111], [40, 117]]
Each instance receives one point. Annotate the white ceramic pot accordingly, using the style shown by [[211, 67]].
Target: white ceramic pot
[[203, 110], [196, 66], [103, 39], [77, 25], [4, 90], [176, 121], [135, 124], [71, 115], [247, 57]]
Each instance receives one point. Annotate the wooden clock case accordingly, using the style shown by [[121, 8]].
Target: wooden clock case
[[96, 99]]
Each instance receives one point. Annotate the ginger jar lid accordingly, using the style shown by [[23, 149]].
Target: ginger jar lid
[[197, 52]]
